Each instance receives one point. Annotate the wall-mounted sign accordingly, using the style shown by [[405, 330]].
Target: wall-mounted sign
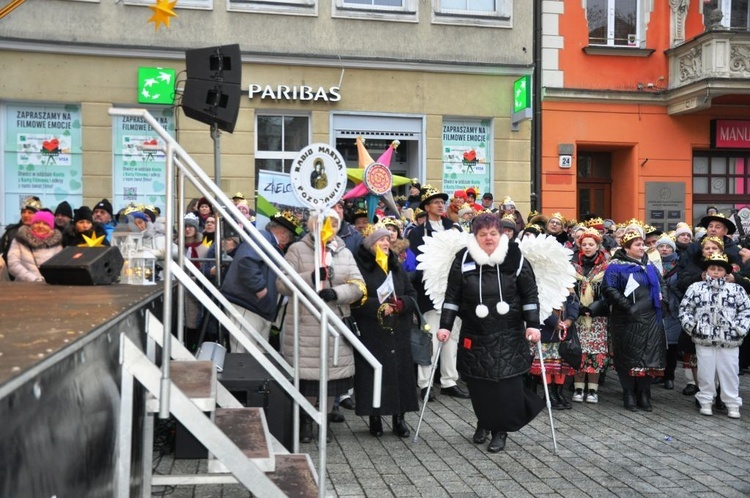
[[730, 134], [521, 102], [318, 176], [156, 85], [566, 161], [302, 93], [665, 204]]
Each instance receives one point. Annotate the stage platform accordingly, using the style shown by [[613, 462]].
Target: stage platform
[[60, 377]]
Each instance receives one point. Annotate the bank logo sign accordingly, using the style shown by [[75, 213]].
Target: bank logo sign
[[156, 85]]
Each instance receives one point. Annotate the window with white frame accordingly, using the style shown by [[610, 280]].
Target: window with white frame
[[303, 7], [182, 4], [614, 22], [736, 13], [405, 10], [278, 140], [474, 8]]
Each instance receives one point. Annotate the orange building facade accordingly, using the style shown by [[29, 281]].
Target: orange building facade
[[644, 110]]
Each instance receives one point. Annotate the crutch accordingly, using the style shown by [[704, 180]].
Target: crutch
[[546, 395], [427, 393]]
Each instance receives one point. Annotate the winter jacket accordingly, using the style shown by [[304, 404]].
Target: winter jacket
[[72, 237], [247, 275], [494, 347], [352, 238], [716, 313], [671, 296], [635, 323], [416, 239], [391, 346], [27, 252], [301, 256]]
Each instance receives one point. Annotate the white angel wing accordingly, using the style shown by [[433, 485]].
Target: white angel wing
[[438, 252], [555, 276]]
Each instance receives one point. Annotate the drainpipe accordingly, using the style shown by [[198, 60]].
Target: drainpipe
[[536, 122]]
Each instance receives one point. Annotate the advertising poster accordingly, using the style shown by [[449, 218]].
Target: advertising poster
[[139, 161], [275, 193], [466, 156], [42, 156]]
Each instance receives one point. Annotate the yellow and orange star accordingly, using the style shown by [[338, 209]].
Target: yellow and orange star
[[163, 12]]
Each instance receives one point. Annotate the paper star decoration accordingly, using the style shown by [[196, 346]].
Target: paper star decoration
[[92, 241], [163, 11]]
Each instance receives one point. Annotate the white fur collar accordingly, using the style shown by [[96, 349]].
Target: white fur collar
[[482, 258]]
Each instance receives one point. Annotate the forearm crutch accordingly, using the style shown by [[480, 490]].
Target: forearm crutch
[[427, 393]]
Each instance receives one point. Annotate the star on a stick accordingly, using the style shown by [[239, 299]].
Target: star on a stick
[[163, 11]]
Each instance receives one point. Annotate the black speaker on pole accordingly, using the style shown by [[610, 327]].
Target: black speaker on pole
[[83, 266], [213, 88]]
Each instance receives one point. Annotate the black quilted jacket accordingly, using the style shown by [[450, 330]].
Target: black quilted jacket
[[493, 347]]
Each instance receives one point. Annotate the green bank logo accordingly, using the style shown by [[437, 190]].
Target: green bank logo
[[521, 93], [156, 85]]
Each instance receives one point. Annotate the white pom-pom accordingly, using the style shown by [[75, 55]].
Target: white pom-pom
[[482, 311], [502, 308]]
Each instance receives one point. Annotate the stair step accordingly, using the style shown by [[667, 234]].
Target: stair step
[[197, 379], [295, 475], [247, 429]]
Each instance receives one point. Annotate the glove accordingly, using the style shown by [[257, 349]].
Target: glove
[[398, 305], [322, 272], [327, 295]]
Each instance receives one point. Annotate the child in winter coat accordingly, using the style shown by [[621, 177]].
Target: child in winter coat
[[716, 314]]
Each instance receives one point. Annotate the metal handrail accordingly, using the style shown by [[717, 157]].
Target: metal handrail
[[178, 160]]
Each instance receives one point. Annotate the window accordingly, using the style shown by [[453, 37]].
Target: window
[[297, 7], [614, 22], [182, 4], [736, 12], [399, 10], [499, 9], [279, 138], [720, 179]]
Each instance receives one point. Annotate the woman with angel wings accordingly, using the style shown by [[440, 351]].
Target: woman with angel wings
[[492, 287]]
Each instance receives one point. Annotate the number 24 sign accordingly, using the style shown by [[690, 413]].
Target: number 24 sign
[[566, 161]]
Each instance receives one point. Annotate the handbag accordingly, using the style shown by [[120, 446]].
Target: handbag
[[570, 349], [421, 338], [349, 321]]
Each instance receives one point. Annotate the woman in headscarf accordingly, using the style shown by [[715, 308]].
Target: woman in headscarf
[[385, 330], [32, 246], [492, 288], [632, 286], [341, 286]]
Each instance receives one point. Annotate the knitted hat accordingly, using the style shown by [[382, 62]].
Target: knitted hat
[[105, 205], [507, 202], [465, 209], [64, 209], [508, 221], [191, 220], [139, 215], [666, 239], [373, 233], [203, 201], [415, 184], [83, 213], [683, 228], [45, 217], [488, 195], [471, 191], [459, 194]]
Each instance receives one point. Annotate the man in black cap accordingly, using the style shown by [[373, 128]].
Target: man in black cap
[[103, 214], [487, 200], [63, 216], [250, 285], [433, 203]]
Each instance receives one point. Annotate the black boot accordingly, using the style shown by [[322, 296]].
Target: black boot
[[555, 398], [399, 426], [329, 434], [563, 400], [628, 399], [305, 429], [376, 426], [498, 442], [644, 394], [480, 436]]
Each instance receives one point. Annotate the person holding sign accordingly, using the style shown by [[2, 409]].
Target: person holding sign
[[385, 320], [632, 286]]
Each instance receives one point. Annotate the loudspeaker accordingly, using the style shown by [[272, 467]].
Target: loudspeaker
[[213, 87], [83, 266], [222, 64], [210, 102]]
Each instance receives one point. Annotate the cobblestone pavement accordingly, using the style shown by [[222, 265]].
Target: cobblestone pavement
[[603, 451]]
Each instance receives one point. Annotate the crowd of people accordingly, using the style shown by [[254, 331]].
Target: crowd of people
[[643, 301]]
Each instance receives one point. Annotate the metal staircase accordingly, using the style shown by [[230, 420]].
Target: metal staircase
[[240, 446]]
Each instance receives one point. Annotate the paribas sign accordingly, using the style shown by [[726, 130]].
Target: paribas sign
[[302, 93]]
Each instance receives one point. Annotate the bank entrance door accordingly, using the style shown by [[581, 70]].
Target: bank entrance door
[[594, 184]]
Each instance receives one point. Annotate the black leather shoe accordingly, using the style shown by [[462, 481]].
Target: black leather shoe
[[432, 394], [690, 390], [399, 426], [644, 401], [455, 392], [657, 380], [480, 436], [498, 442], [669, 384], [376, 426], [336, 416], [347, 403]]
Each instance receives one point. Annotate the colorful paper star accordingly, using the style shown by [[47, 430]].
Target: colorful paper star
[[163, 11], [92, 241]]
